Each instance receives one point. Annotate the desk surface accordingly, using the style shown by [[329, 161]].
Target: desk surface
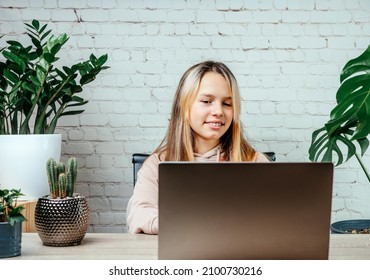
[[109, 246]]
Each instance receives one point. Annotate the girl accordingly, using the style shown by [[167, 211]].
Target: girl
[[204, 126]]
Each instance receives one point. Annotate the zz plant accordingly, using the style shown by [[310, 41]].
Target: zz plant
[[10, 211], [32, 88], [61, 179], [349, 123]]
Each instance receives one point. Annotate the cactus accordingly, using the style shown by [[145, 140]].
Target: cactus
[[61, 180], [71, 175]]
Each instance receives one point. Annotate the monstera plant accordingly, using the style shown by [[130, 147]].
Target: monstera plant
[[345, 134], [33, 88]]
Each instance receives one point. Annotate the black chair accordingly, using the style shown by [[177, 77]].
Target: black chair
[[138, 159]]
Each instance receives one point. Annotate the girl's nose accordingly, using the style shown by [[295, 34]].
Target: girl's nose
[[217, 109]]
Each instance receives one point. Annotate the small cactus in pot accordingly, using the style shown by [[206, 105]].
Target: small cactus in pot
[[61, 178], [62, 217]]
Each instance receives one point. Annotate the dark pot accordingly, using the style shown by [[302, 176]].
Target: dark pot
[[346, 226], [10, 239], [62, 222]]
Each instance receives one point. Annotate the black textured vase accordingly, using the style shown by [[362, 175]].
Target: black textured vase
[[62, 222]]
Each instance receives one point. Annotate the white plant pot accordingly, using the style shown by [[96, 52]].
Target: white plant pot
[[23, 162]]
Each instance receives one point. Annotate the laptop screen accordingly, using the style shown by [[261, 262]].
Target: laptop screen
[[244, 210]]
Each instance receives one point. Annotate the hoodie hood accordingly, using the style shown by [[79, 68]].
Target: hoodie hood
[[212, 155]]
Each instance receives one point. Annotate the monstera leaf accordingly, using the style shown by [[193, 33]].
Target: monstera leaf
[[350, 119]]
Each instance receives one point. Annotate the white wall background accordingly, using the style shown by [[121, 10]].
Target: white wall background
[[287, 56]]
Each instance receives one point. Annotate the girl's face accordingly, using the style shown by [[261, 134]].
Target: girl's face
[[211, 113]]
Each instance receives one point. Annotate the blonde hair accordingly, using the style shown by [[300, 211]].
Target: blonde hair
[[178, 143]]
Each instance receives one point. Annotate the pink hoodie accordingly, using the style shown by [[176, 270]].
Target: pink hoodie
[[142, 209]]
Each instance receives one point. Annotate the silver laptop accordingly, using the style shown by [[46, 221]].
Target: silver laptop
[[244, 210]]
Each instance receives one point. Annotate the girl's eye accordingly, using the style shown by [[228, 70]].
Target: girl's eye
[[206, 101], [227, 104]]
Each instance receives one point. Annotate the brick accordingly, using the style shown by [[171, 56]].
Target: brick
[[75, 148], [63, 15], [197, 43], [109, 148], [152, 121], [209, 16], [72, 4], [13, 4], [107, 176], [330, 17], [94, 15], [135, 94], [29, 14]]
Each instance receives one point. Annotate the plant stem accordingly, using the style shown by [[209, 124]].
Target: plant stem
[[363, 166]]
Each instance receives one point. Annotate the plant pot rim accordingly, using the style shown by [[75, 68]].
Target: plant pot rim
[[32, 135], [345, 226], [75, 195]]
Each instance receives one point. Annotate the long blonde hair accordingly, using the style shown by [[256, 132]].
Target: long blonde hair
[[178, 143]]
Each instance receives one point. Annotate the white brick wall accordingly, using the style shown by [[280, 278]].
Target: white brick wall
[[287, 56]]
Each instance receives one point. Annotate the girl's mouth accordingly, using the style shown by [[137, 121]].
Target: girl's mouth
[[214, 124]]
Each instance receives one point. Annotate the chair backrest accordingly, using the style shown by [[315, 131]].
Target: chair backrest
[[138, 160]]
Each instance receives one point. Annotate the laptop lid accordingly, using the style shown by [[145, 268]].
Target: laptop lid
[[244, 210]]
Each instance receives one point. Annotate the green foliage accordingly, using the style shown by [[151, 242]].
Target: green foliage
[[30, 84], [9, 210], [61, 181], [349, 123]]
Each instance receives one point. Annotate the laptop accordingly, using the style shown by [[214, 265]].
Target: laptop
[[250, 211]]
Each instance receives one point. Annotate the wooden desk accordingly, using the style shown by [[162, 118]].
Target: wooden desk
[[109, 246]]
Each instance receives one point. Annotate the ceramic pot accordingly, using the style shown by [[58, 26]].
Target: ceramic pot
[[23, 162], [62, 222], [10, 239]]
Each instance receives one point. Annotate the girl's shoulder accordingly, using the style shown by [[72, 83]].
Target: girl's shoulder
[[260, 157], [154, 159]]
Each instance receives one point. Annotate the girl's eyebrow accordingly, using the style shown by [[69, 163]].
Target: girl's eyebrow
[[212, 96]]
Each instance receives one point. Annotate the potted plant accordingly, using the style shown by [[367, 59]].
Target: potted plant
[[62, 217], [34, 95], [345, 134], [11, 220]]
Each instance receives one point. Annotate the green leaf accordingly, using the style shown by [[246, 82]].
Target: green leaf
[[36, 24], [40, 76], [61, 74], [324, 148], [35, 42], [352, 85], [77, 112], [43, 28], [85, 79], [45, 34], [55, 49], [13, 219], [103, 59], [49, 57], [29, 87], [356, 106], [10, 76], [33, 55], [15, 43], [35, 81], [77, 99], [356, 65], [15, 59], [364, 144], [68, 70]]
